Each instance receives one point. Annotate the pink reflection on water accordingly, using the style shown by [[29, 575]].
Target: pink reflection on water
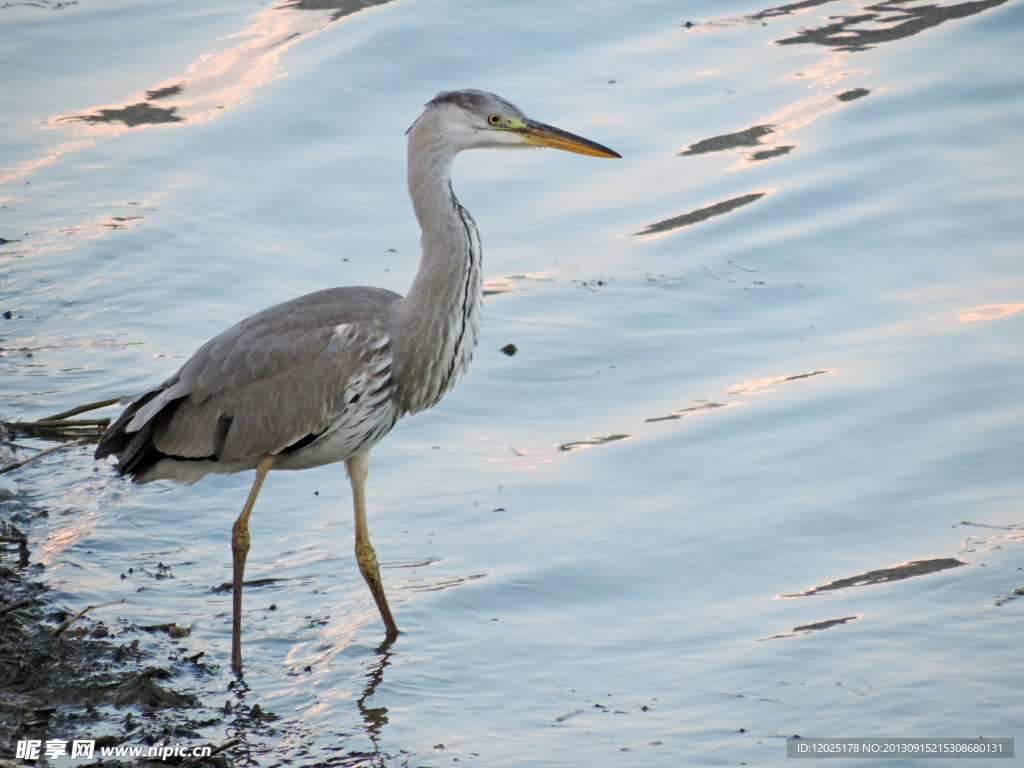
[[988, 312]]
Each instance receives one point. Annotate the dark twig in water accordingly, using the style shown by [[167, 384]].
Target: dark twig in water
[[59, 426], [51, 425], [23, 462], [83, 409], [198, 759], [82, 613], [61, 430], [16, 606]]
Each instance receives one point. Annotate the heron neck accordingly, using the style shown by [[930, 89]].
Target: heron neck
[[438, 322]]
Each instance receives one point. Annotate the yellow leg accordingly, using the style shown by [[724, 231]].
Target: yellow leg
[[239, 551], [358, 467]]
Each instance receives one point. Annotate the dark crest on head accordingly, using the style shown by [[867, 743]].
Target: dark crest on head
[[471, 99]]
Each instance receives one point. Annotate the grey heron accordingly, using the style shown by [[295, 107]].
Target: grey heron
[[323, 377]]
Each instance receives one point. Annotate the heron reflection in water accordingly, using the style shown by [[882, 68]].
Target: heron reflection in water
[[322, 378]]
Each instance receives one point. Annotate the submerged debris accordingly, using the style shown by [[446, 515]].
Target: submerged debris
[[140, 691], [172, 630], [81, 613]]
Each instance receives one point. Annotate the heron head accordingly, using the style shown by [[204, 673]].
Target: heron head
[[473, 119]]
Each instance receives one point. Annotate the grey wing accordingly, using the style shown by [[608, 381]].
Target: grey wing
[[272, 382]]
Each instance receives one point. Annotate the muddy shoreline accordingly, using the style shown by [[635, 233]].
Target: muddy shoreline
[[95, 677]]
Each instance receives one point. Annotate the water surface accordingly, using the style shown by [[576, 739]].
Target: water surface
[[764, 362]]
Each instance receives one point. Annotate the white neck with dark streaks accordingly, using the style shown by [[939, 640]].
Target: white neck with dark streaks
[[437, 324]]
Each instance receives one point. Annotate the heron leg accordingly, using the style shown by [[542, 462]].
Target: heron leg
[[239, 551], [358, 467]]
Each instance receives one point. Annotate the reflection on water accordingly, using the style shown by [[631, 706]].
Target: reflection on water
[[136, 114], [851, 95], [988, 312], [375, 718], [26, 167], [436, 586], [498, 285], [978, 544], [224, 79], [794, 116], [817, 626], [701, 214], [785, 10], [761, 386], [216, 81], [163, 93], [891, 20], [755, 387], [682, 413], [768, 154], [591, 442], [849, 34], [885, 575], [750, 137], [219, 80], [338, 8]]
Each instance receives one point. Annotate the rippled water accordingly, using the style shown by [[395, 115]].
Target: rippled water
[[776, 347]]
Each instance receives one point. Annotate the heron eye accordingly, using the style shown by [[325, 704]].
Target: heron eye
[[494, 119]]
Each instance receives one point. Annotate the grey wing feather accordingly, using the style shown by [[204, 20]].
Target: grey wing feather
[[267, 382]]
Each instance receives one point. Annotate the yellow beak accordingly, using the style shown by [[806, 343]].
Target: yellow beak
[[540, 135]]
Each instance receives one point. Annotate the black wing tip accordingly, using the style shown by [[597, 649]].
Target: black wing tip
[[135, 450]]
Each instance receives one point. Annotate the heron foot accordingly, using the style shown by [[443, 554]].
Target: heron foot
[[367, 559]]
